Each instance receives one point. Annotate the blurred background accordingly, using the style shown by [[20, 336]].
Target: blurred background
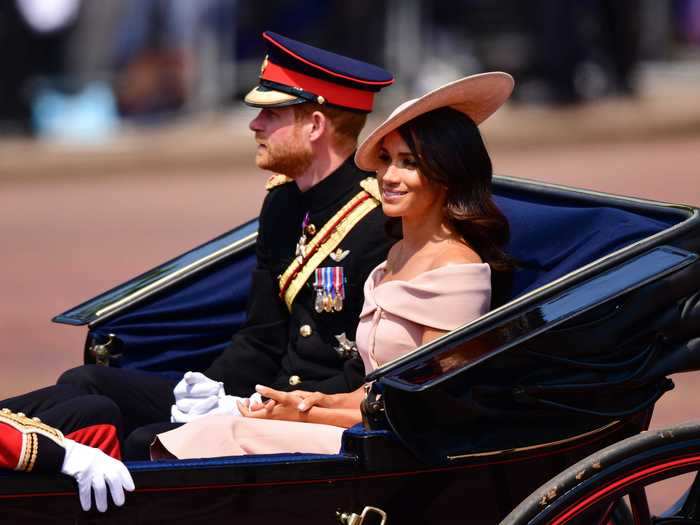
[[123, 141]]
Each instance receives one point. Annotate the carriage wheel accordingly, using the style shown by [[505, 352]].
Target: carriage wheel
[[591, 491]]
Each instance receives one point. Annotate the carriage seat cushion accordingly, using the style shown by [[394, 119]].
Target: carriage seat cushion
[[548, 241]]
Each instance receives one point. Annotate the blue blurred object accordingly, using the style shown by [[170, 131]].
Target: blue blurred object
[[87, 117]]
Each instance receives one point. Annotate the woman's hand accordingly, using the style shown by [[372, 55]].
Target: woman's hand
[[298, 405], [312, 399], [279, 405]]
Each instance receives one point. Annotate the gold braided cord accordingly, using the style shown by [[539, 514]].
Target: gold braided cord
[[34, 452], [27, 425], [26, 452], [332, 233]]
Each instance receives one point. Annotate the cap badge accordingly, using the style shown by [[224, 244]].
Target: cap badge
[[264, 64]]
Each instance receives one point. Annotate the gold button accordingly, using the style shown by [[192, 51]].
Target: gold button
[[320, 99], [6, 411], [36, 420], [310, 230], [21, 414], [294, 380], [305, 330]]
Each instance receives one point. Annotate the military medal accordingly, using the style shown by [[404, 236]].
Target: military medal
[[318, 286], [329, 285], [328, 289], [338, 288]]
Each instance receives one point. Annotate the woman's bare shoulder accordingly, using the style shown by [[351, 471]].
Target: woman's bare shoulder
[[456, 253]]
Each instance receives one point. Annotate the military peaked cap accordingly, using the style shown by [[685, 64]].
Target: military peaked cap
[[294, 73]]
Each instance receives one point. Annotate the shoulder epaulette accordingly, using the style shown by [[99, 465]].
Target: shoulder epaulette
[[277, 180], [371, 186]]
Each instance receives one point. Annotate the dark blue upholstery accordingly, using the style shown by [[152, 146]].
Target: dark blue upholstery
[[188, 325], [549, 241]]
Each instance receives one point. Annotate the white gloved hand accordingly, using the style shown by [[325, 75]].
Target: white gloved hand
[[195, 387], [195, 396], [96, 472], [212, 405]]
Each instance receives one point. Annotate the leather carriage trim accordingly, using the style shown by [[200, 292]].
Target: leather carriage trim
[[277, 180], [577, 437], [323, 243], [28, 426]]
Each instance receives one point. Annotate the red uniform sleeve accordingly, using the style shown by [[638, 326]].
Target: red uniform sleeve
[[10, 446], [28, 445]]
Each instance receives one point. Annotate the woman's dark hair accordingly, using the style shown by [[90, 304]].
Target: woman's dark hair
[[449, 151]]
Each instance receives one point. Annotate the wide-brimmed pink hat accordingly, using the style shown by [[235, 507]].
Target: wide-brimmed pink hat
[[477, 96]]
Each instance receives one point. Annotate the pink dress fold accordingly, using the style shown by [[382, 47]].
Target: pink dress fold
[[391, 325]]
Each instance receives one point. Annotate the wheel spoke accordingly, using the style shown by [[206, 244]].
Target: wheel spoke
[[640, 506]]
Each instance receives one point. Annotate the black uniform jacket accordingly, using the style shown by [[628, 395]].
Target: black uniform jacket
[[297, 350]]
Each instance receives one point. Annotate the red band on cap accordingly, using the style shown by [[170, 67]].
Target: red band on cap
[[333, 93]]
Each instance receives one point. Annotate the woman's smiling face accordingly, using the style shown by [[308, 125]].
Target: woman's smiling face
[[405, 192]]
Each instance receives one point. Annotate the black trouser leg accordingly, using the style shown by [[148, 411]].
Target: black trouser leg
[[70, 409], [138, 444], [142, 398], [35, 402]]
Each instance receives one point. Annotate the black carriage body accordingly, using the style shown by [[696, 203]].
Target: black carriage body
[[573, 363]]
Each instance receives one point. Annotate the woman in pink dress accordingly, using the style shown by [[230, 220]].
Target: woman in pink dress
[[434, 175]]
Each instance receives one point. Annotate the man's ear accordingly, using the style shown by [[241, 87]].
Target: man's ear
[[319, 125]]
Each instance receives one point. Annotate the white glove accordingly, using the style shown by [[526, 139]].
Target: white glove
[[212, 405], [194, 388], [195, 396], [95, 472]]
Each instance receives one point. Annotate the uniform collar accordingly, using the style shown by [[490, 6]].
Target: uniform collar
[[334, 188]]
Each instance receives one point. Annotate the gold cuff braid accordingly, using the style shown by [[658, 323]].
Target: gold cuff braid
[[30, 428]]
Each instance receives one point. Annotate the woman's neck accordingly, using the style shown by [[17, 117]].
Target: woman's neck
[[420, 232]]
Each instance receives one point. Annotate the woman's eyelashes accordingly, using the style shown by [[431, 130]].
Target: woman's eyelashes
[[384, 157], [408, 163], [403, 162]]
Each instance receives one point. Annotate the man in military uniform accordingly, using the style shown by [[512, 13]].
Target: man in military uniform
[[321, 233]]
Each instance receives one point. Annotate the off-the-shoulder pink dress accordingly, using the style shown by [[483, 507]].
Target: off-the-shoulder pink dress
[[391, 325]]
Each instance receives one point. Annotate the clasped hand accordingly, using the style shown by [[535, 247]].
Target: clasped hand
[[287, 406]]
